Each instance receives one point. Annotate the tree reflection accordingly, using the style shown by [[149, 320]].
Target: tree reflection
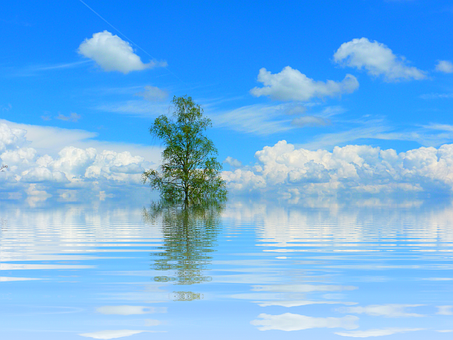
[[189, 237]]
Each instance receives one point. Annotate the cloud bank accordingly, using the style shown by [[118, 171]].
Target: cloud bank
[[72, 169], [114, 54], [377, 59], [359, 169], [291, 84]]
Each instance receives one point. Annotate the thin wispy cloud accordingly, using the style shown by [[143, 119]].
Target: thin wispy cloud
[[73, 117]]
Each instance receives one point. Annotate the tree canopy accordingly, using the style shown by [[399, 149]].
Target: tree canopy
[[189, 170]]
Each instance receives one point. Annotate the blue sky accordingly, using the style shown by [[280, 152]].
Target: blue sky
[[316, 75]]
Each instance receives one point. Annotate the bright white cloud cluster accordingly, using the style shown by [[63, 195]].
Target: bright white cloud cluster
[[72, 168], [114, 54], [358, 169], [377, 59], [389, 311], [444, 66], [291, 84]]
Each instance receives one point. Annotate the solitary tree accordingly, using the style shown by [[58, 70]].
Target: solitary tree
[[189, 171]]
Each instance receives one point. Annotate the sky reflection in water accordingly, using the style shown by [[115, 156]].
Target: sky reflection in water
[[312, 269]]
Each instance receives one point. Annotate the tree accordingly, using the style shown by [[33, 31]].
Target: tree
[[190, 171]]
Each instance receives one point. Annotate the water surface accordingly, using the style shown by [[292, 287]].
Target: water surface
[[312, 269]]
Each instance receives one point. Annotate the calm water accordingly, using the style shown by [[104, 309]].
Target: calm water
[[306, 270]]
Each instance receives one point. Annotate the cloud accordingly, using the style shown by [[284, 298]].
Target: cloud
[[86, 169], [445, 310], [444, 66], [377, 59], [114, 54], [73, 117], [153, 93], [437, 96], [260, 119], [389, 311], [377, 332], [290, 84], [310, 121], [284, 169], [254, 119], [50, 140], [233, 162], [296, 322]]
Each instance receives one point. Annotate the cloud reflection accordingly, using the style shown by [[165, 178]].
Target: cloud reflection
[[129, 310], [389, 311], [115, 334], [297, 322], [377, 332]]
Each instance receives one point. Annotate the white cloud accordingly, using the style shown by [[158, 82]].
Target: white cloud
[[310, 121], [389, 311], [444, 66], [41, 175], [233, 162], [437, 96], [377, 59], [73, 117], [114, 54], [297, 322], [352, 168], [291, 84], [377, 332], [262, 119], [254, 119], [50, 140], [445, 310], [153, 93]]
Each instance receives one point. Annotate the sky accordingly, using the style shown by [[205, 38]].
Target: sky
[[306, 98]]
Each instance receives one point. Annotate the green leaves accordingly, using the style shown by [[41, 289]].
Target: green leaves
[[189, 172]]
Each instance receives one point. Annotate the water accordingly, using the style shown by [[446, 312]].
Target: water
[[251, 270]]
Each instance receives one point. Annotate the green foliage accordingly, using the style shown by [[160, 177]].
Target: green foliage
[[190, 171]]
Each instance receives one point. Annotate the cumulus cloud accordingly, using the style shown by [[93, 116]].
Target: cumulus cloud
[[291, 84], [153, 93], [73, 117], [444, 66], [114, 54], [72, 168], [377, 59], [352, 168], [297, 322]]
